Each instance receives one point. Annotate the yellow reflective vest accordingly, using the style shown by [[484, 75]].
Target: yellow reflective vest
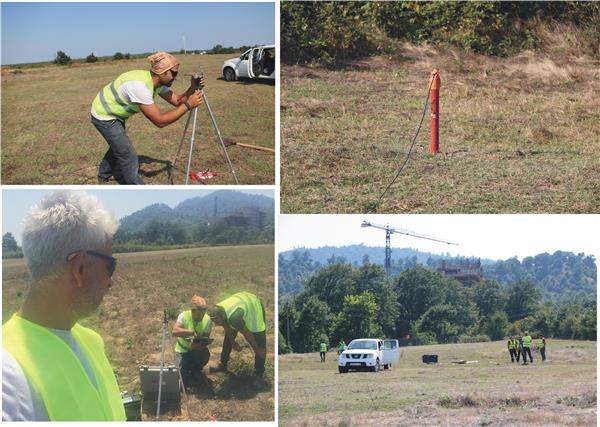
[[58, 376], [109, 102], [251, 307], [183, 345], [527, 341], [512, 344]]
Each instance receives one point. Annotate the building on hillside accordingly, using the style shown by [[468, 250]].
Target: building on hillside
[[250, 217], [468, 272]]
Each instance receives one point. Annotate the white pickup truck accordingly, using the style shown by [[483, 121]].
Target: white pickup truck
[[369, 354]]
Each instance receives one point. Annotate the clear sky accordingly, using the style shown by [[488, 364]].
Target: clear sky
[[484, 236], [34, 32], [16, 203]]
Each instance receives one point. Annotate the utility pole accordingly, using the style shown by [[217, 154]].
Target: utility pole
[[389, 231]]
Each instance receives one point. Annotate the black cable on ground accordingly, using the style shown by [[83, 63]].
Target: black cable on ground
[[412, 144]]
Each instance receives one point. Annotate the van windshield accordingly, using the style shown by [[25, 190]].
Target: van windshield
[[363, 345]]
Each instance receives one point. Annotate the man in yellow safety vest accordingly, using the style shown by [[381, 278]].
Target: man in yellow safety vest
[[128, 94], [192, 330], [542, 347], [323, 350], [242, 312], [527, 347], [512, 348], [53, 368]]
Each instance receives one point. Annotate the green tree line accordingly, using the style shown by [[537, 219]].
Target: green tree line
[[328, 32], [419, 306]]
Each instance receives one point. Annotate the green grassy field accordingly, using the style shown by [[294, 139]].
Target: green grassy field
[[492, 392], [130, 320], [47, 137], [516, 135]]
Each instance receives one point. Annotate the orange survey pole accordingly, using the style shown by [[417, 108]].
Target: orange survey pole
[[435, 110]]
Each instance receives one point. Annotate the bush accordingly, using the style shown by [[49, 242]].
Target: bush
[[91, 58], [62, 58], [118, 56]]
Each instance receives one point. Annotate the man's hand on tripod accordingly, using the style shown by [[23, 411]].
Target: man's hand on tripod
[[195, 99]]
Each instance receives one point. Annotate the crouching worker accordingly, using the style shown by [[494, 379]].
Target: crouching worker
[[128, 94], [192, 330], [54, 369], [242, 312]]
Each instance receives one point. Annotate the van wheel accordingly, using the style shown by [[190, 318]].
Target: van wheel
[[386, 366], [229, 74]]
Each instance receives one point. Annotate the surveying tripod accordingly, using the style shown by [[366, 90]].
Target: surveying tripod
[[194, 113]]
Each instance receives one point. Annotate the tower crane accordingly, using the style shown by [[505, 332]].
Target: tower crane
[[391, 230]]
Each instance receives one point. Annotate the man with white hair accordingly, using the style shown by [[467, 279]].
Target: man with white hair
[[128, 94], [53, 368]]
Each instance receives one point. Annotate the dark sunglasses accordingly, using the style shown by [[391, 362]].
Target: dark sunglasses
[[111, 262]]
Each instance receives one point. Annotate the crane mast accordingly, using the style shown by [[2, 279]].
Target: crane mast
[[388, 233]]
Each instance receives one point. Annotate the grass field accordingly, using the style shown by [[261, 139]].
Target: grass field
[[47, 137], [492, 392], [130, 321], [516, 135]]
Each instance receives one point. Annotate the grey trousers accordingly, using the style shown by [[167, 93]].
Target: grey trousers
[[120, 160]]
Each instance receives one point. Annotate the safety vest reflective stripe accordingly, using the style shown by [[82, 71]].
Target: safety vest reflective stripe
[[182, 345], [527, 341], [58, 376], [512, 344], [251, 308]]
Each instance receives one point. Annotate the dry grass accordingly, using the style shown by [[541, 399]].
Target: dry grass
[[130, 321], [495, 392], [516, 135], [47, 137]]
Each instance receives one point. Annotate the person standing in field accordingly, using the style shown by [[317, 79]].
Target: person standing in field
[[512, 349], [323, 350], [542, 347], [527, 347], [128, 94], [519, 349], [242, 312], [192, 330], [341, 346], [54, 369]]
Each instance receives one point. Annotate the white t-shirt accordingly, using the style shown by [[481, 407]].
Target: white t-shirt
[[133, 91], [20, 399]]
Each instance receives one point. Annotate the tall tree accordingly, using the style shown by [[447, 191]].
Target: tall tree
[[357, 319], [331, 284], [523, 297], [313, 322], [489, 297], [418, 290], [9, 244]]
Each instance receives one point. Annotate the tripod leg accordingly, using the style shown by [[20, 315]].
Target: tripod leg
[[189, 164], [187, 123], [214, 123]]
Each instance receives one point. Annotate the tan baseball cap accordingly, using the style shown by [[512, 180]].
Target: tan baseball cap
[[162, 62]]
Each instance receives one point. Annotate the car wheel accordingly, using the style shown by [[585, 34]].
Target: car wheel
[[386, 366], [229, 74], [342, 369], [376, 367]]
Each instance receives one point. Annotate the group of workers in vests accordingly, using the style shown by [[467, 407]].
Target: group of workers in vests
[[241, 312], [521, 347]]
